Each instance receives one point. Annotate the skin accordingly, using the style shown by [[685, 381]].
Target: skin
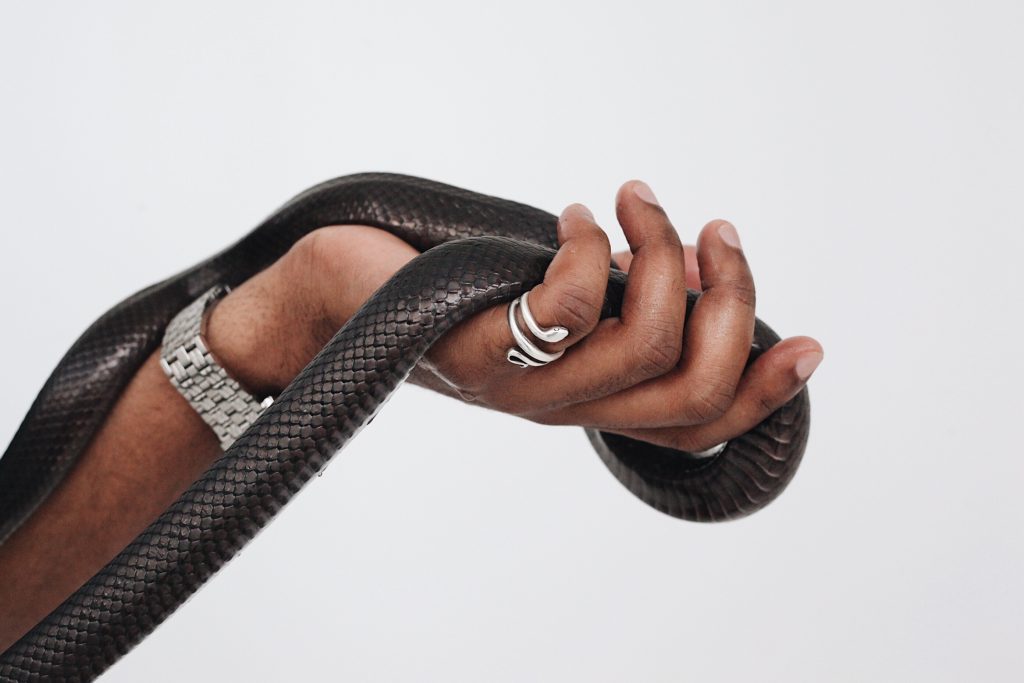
[[651, 374]]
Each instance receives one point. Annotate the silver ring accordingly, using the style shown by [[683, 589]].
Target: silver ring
[[527, 354], [549, 334]]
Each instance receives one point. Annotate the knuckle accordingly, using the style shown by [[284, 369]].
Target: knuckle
[[742, 290], [663, 245], [576, 307], [667, 239], [708, 403], [657, 351], [766, 403]]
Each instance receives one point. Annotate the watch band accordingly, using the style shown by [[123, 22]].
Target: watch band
[[220, 400]]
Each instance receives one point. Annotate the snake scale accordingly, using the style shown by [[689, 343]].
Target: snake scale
[[478, 251]]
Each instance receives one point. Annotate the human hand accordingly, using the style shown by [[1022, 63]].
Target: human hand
[[650, 374]]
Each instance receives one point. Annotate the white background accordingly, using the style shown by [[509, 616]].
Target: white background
[[870, 155]]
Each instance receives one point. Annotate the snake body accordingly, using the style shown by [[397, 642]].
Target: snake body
[[478, 251]]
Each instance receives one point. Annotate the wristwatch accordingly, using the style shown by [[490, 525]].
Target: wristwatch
[[195, 373]]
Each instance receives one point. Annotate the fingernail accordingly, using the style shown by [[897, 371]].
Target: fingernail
[[806, 364], [729, 235], [644, 192]]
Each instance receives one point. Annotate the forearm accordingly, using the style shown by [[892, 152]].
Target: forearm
[[152, 442]]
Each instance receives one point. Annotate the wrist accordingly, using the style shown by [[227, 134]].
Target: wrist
[[260, 341], [264, 332]]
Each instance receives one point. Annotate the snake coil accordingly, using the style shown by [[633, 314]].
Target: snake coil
[[478, 251]]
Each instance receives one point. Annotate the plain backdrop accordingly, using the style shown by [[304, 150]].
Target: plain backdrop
[[870, 154]]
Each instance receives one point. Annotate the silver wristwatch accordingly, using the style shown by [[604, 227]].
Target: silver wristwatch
[[220, 400]]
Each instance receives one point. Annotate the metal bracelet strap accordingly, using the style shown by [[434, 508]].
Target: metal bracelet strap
[[220, 400]]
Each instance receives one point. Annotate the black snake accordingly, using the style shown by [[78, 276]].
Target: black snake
[[478, 251]]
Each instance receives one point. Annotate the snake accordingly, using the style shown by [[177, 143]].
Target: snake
[[477, 251]]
